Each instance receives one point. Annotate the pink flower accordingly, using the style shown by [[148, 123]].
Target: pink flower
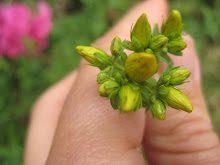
[[14, 24], [41, 24], [17, 23]]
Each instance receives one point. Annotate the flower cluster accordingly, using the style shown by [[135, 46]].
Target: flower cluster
[[21, 29], [127, 80]]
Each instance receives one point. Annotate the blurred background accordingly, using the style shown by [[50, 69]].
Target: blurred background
[[24, 78]]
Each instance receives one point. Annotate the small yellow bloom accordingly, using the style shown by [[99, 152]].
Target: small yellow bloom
[[140, 66]]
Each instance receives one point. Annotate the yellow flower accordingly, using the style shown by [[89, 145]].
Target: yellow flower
[[140, 66]]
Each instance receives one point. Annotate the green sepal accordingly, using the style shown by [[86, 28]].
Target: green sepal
[[164, 92], [156, 30], [128, 45], [139, 104], [124, 57], [115, 102], [104, 75], [102, 59], [146, 101], [119, 78], [137, 45], [113, 94]]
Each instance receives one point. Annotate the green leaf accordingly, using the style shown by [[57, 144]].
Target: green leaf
[[156, 30], [113, 94], [166, 60], [123, 57], [139, 104], [114, 102], [127, 45]]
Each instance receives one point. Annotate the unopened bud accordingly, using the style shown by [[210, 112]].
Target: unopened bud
[[94, 56], [158, 42], [129, 97], [175, 47], [166, 79], [172, 27], [149, 51], [177, 76], [115, 46], [118, 78], [104, 75], [175, 99], [158, 109], [140, 66], [142, 31], [108, 87]]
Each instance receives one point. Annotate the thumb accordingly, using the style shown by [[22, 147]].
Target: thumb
[[183, 138]]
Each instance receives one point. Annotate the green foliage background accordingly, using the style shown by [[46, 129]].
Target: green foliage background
[[79, 22]]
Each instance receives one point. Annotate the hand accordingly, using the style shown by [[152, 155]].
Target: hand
[[72, 124]]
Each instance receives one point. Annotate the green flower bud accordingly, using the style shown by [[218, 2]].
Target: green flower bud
[[158, 109], [104, 75], [175, 47], [129, 98], [115, 46], [149, 51], [94, 56], [142, 31], [175, 99], [108, 87], [140, 66], [166, 79], [177, 76], [158, 42], [172, 27], [118, 78]]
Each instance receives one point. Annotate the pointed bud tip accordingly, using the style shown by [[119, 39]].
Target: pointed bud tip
[[176, 13]]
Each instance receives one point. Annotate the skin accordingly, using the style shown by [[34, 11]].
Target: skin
[[71, 124]]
